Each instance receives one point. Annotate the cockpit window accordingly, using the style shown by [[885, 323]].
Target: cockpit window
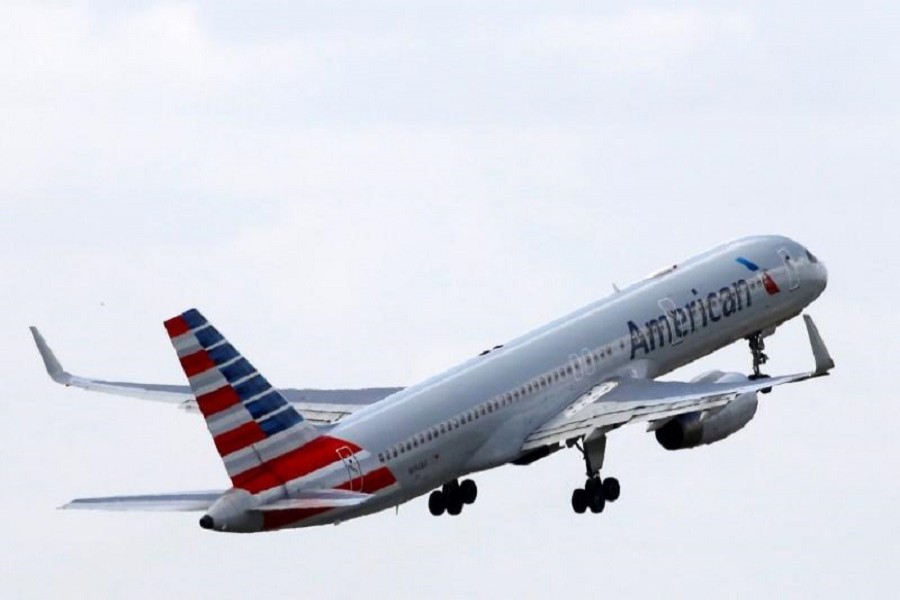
[[812, 257]]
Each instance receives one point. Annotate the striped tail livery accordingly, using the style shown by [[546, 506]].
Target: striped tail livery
[[250, 421]]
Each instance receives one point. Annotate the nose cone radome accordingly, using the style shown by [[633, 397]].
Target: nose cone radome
[[818, 277]]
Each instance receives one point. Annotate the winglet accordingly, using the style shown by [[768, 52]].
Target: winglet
[[54, 369], [824, 362]]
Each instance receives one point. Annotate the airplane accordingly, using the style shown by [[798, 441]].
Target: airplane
[[300, 458]]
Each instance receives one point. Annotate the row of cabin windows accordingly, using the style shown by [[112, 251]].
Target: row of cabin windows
[[506, 399], [489, 407]]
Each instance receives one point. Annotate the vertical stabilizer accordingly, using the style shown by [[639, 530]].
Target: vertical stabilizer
[[251, 422]]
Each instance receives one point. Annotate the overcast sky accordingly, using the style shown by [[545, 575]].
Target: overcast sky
[[365, 193]]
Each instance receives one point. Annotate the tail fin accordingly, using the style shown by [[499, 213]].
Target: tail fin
[[250, 421]]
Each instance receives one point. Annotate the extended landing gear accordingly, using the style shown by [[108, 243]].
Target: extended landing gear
[[757, 348], [452, 497], [595, 494], [596, 491]]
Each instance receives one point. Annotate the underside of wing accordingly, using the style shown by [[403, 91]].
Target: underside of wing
[[175, 502], [618, 402], [320, 407]]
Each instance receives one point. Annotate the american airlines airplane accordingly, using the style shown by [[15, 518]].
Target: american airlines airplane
[[298, 458]]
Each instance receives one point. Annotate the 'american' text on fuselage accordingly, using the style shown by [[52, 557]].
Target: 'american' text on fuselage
[[699, 313]]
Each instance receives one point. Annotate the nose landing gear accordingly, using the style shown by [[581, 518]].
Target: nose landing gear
[[757, 347]]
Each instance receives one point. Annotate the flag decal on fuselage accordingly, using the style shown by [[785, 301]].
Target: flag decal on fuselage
[[767, 281]]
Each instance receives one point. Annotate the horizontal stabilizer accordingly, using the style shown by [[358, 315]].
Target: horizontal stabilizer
[[318, 499], [177, 502]]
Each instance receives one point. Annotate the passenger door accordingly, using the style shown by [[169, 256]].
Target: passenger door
[[354, 472], [790, 269]]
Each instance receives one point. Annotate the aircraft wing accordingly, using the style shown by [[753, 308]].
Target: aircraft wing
[[618, 402], [180, 501], [197, 501], [332, 498], [320, 407]]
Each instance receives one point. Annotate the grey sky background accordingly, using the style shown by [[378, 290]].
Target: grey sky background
[[365, 194]]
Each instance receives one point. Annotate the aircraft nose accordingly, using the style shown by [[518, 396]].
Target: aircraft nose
[[817, 272], [820, 276]]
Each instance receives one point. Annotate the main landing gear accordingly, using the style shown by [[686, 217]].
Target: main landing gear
[[596, 491], [452, 497], [595, 494], [757, 350]]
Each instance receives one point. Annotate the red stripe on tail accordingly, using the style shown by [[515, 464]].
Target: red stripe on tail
[[176, 326], [196, 363], [317, 453], [372, 482], [239, 437], [218, 400]]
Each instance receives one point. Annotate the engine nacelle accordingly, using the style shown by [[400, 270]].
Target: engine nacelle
[[705, 427]]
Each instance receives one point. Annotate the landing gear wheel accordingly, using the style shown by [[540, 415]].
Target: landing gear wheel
[[592, 485], [468, 491], [579, 501], [436, 504], [596, 501], [454, 505], [611, 489]]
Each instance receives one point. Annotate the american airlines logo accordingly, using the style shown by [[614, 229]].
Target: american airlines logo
[[677, 323]]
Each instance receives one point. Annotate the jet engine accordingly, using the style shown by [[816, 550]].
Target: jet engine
[[705, 427]]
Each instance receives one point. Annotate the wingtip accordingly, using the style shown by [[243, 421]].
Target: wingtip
[[824, 362], [51, 363]]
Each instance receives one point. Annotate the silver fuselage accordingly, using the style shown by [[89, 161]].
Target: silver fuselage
[[459, 421]]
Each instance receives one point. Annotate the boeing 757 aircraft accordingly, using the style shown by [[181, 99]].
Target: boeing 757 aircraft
[[298, 458]]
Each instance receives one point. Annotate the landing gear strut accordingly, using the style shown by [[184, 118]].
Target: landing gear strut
[[757, 347], [452, 497], [596, 491]]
